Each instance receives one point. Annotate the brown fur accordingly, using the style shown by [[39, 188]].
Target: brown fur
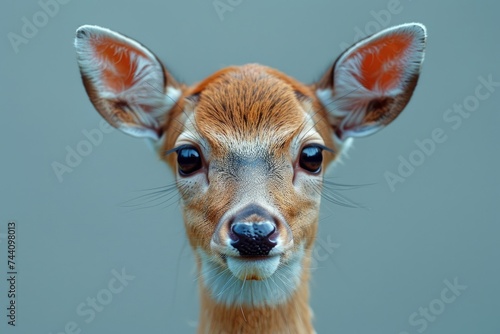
[[255, 114], [294, 316], [245, 103]]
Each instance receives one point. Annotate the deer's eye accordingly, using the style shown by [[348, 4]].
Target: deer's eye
[[311, 158], [189, 160]]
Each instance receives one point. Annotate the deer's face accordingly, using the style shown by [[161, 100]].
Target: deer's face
[[249, 164], [249, 145]]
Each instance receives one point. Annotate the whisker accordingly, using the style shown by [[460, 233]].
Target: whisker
[[142, 206], [168, 186], [216, 268], [340, 186], [155, 194], [241, 292], [224, 289], [334, 197], [341, 200]]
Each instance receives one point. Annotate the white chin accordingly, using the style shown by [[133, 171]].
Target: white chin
[[253, 269]]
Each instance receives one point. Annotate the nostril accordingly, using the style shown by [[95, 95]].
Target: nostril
[[253, 238]]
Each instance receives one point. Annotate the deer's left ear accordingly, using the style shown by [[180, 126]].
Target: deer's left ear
[[372, 81]]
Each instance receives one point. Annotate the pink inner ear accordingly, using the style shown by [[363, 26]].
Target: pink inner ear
[[382, 62], [118, 61]]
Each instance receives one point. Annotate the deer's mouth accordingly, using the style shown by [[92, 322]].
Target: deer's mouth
[[233, 279], [253, 268]]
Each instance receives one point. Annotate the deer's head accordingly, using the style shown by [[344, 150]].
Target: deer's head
[[249, 145]]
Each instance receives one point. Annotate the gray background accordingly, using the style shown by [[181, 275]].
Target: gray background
[[388, 261]]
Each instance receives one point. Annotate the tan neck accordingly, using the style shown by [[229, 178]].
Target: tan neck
[[292, 316]]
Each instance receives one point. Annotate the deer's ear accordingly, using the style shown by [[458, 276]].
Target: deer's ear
[[125, 81], [372, 81]]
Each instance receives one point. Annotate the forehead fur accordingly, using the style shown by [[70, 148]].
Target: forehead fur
[[247, 104]]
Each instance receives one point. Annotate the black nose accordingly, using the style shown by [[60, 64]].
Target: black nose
[[253, 232]]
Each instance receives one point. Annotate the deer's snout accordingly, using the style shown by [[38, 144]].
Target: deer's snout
[[253, 231]]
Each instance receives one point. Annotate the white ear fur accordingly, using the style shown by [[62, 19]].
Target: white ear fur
[[124, 80], [356, 89]]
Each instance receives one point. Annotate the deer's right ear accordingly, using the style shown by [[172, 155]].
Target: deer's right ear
[[125, 81], [372, 81]]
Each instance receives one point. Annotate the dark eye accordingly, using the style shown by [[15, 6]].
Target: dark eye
[[311, 158], [189, 160]]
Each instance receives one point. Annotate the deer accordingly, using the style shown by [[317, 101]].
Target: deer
[[249, 147]]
